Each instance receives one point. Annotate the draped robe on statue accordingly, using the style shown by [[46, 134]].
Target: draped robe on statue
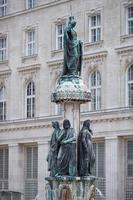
[[86, 156], [72, 53], [52, 155], [66, 160]]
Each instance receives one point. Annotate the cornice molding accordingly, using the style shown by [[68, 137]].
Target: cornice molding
[[55, 62], [127, 2], [95, 55], [11, 142], [109, 115], [57, 52], [40, 7], [29, 68], [5, 72], [26, 124], [124, 49], [89, 45], [45, 122], [86, 56]]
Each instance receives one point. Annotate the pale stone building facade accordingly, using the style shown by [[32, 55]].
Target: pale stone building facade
[[31, 59]]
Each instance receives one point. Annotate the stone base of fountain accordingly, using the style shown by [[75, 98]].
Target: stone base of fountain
[[70, 188]]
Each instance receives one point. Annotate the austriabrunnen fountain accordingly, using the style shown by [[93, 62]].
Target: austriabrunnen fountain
[[71, 156]]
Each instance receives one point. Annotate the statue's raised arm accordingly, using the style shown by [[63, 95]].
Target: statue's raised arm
[[72, 50]]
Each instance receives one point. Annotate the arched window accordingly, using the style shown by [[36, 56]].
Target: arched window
[[95, 87], [130, 86], [2, 103], [30, 100]]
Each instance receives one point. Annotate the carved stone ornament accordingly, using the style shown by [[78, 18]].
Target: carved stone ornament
[[71, 88]]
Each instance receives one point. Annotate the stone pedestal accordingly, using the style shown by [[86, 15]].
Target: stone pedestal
[[70, 91], [70, 188], [72, 112]]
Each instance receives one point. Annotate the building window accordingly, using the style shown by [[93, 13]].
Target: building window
[[3, 168], [3, 7], [129, 172], [2, 103], [3, 48], [31, 172], [130, 86], [95, 28], [30, 42], [59, 36], [95, 87], [31, 4], [99, 168], [130, 20], [30, 100]]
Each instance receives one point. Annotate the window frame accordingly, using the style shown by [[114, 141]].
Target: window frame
[[96, 27], [32, 99], [4, 179], [30, 182], [96, 88], [32, 42], [33, 4], [4, 102], [4, 7], [127, 19], [101, 181], [59, 35], [127, 89], [127, 179], [32, 161], [4, 49], [128, 161]]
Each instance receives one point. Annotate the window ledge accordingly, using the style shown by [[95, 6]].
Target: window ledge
[[125, 38], [89, 45], [56, 52], [4, 62], [3, 16], [29, 57], [31, 8]]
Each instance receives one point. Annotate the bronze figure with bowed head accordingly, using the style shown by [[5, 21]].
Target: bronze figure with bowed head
[[72, 50], [86, 156], [54, 148], [66, 160]]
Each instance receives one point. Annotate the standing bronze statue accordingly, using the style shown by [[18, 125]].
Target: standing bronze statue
[[72, 50], [66, 160], [54, 148], [86, 156]]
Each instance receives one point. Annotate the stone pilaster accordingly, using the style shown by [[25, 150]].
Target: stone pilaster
[[121, 168], [16, 166], [42, 168], [72, 112], [114, 168]]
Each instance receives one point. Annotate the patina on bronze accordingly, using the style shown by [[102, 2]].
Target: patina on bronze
[[62, 154], [54, 148], [70, 86], [86, 156], [66, 160], [72, 50], [70, 92]]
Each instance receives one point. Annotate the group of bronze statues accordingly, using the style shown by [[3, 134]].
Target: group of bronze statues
[[61, 158], [68, 155], [62, 154]]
